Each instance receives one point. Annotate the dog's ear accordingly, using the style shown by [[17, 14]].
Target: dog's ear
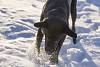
[[41, 24], [70, 33]]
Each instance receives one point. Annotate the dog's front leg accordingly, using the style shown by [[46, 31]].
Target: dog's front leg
[[39, 40], [54, 57]]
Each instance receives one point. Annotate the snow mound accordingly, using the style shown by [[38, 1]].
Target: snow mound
[[75, 54], [13, 61]]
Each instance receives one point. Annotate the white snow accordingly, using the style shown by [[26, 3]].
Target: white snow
[[17, 35]]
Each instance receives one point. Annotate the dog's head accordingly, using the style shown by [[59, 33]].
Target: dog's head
[[54, 29]]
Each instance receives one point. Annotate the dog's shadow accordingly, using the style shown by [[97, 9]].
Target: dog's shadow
[[78, 55]]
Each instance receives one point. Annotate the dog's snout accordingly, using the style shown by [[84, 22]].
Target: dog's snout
[[50, 47]]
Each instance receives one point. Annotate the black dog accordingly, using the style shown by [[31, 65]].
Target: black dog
[[55, 26]]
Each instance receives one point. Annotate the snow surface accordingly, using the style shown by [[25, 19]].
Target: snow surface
[[17, 35]]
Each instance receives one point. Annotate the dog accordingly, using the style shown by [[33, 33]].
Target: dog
[[54, 25]]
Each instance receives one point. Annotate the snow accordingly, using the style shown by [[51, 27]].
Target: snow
[[17, 35]]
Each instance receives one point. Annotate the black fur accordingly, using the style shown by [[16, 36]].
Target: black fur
[[55, 26]]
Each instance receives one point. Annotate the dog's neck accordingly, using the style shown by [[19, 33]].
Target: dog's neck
[[57, 13]]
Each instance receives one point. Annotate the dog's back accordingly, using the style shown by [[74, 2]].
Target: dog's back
[[61, 5]]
